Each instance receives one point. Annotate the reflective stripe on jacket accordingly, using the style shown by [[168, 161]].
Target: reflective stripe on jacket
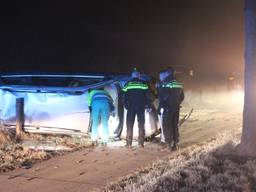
[[98, 95], [172, 84], [136, 94], [135, 85], [170, 94]]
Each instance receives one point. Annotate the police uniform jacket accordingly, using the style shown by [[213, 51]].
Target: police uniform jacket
[[136, 94], [170, 94]]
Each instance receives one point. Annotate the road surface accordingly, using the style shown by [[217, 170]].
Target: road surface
[[93, 168]]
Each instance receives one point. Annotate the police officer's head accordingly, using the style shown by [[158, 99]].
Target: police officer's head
[[163, 75], [166, 74], [135, 74]]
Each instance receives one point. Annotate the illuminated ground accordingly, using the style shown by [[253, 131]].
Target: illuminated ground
[[93, 168]]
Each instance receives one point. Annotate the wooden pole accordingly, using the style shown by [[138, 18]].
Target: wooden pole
[[19, 117]]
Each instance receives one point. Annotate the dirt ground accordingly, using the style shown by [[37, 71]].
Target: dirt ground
[[34, 148], [93, 168]]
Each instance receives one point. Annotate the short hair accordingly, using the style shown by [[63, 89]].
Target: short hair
[[135, 74]]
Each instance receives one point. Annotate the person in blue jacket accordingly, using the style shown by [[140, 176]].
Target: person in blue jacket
[[101, 104]]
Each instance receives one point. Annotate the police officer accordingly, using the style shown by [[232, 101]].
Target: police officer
[[101, 104], [170, 95], [136, 98]]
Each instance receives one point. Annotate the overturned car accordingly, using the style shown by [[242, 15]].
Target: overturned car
[[57, 103]]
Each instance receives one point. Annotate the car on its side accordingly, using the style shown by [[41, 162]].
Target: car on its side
[[57, 103]]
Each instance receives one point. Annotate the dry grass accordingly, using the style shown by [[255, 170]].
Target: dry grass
[[14, 154], [6, 137], [210, 166]]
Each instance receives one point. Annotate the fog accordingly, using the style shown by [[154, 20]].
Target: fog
[[217, 98]]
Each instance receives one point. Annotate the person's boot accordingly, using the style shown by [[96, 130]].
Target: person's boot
[[163, 145], [95, 143], [141, 145], [170, 146], [128, 146], [175, 147], [116, 139]]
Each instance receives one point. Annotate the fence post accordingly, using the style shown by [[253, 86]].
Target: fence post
[[19, 117]]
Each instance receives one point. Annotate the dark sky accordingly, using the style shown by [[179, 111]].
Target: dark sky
[[115, 36]]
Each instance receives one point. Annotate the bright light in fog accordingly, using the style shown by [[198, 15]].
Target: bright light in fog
[[238, 96], [235, 99], [219, 98]]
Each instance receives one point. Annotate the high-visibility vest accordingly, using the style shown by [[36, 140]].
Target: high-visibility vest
[[98, 94], [135, 85], [172, 84]]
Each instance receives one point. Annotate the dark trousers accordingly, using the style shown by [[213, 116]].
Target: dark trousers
[[170, 125], [130, 118]]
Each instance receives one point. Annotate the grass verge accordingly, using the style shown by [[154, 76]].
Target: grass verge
[[210, 166]]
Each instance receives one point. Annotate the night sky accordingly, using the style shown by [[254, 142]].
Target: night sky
[[115, 36]]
